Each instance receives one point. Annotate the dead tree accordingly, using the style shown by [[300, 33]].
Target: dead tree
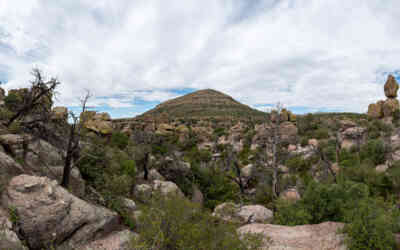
[[73, 141], [272, 147], [232, 163], [35, 97]]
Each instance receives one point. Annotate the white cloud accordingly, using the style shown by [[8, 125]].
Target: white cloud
[[319, 54]]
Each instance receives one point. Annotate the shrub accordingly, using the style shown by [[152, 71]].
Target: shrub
[[119, 140], [374, 150], [215, 186], [298, 164], [321, 133], [370, 226], [174, 223]]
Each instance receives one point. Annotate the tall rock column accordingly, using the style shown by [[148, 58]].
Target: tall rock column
[[386, 108]]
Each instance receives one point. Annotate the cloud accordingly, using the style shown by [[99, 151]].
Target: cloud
[[320, 55]]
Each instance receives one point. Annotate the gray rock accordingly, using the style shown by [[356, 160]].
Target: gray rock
[[235, 213], [8, 238], [48, 214], [322, 236]]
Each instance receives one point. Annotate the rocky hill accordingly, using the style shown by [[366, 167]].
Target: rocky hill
[[202, 104]]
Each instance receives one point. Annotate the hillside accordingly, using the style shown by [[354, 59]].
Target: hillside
[[202, 104]]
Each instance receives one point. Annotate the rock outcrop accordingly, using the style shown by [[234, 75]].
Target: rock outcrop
[[243, 214], [383, 109], [8, 238], [49, 215], [322, 236], [97, 122]]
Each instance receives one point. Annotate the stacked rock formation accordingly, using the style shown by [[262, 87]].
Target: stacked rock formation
[[386, 108]]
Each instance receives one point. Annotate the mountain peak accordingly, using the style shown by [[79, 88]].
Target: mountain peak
[[205, 103]]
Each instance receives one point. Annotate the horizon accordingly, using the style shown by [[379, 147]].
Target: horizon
[[134, 55]]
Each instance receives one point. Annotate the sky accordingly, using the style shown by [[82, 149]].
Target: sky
[[311, 56]]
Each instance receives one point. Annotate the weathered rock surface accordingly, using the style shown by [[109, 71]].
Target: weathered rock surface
[[167, 188], [48, 214], [390, 106], [98, 122], [243, 214], [290, 195], [8, 238], [322, 236], [115, 241], [60, 113], [391, 87], [8, 169]]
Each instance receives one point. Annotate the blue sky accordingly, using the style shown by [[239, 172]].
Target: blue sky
[[309, 55]]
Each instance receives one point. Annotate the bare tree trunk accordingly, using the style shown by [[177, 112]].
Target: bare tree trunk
[[68, 158]]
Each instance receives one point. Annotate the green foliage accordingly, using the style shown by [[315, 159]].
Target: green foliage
[[128, 167], [321, 202], [12, 100], [119, 140], [291, 214], [298, 164], [175, 224], [220, 131], [374, 150], [215, 186], [370, 222], [376, 127], [196, 155], [321, 133], [371, 225], [159, 149], [13, 213]]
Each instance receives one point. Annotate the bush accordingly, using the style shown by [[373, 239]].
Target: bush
[[215, 186], [174, 223], [321, 133], [370, 226], [119, 140], [374, 150]]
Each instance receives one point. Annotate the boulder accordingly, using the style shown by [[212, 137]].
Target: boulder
[[375, 110], [49, 215], [288, 132], [390, 106], [313, 142], [8, 169], [167, 188], [381, 168], [97, 122], [348, 144], [182, 129], [60, 113], [235, 213], [165, 129], [197, 196], [120, 240], [391, 87], [290, 194], [324, 236], [142, 192], [8, 238], [76, 183], [128, 204]]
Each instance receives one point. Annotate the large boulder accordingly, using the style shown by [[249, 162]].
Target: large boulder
[[8, 238], [116, 241], [167, 188], [165, 129], [232, 212], [391, 87], [9, 168], [375, 110], [49, 215], [290, 194], [390, 106], [324, 236], [60, 113], [288, 132], [97, 122]]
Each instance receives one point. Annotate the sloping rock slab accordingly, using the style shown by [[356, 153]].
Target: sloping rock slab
[[322, 236], [49, 215]]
